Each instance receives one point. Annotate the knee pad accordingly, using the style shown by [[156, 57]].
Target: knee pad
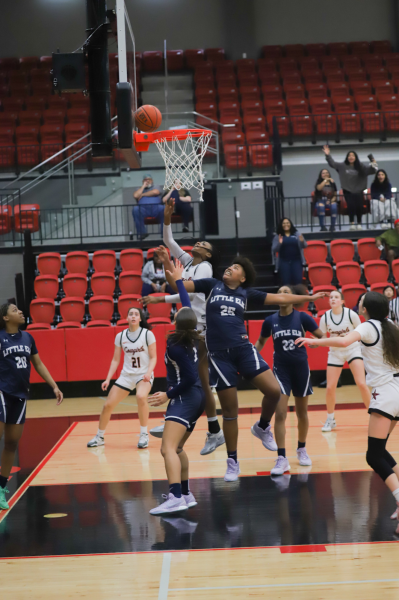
[[376, 458]]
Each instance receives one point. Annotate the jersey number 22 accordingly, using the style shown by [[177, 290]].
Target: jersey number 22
[[288, 345]]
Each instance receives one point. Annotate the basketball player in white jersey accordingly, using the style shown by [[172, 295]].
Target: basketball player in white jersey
[[140, 357], [380, 342], [338, 322], [198, 266]]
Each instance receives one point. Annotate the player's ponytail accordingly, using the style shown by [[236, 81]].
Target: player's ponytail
[[3, 312], [377, 306], [185, 333]]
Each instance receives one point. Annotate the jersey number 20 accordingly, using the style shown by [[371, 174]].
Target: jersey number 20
[[136, 362], [21, 362]]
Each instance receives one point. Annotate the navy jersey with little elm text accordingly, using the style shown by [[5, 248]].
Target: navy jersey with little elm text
[[181, 369], [285, 330], [15, 352], [225, 308]]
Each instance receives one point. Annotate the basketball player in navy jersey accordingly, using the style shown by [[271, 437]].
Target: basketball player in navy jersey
[[291, 369], [186, 401], [231, 353], [17, 351]]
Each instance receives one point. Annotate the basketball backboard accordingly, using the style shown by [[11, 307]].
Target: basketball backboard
[[126, 89]]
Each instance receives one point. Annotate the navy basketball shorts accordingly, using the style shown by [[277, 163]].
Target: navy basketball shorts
[[225, 366], [12, 409], [294, 377], [188, 408]]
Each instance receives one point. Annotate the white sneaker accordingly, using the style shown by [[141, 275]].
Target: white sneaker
[[143, 441], [329, 425], [213, 440], [352, 227], [303, 457], [233, 470], [265, 435], [190, 500], [282, 465], [359, 227], [158, 430], [96, 441], [171, 505]]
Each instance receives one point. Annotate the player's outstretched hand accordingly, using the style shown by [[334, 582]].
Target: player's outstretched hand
[[320, 295], [312, 342], [176, 270], [169, 208], [162, 253], [326, 150], [149, 300], [104, 385], [158, 399], [59, 395]]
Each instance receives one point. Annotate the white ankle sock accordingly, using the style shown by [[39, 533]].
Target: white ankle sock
[[143, 429], [330, 416], [101, 432], [396, 494]]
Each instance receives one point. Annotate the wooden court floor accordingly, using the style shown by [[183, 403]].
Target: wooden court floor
[[337, 568]]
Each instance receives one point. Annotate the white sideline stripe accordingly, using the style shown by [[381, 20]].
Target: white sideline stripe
[[285, 585], [164, 581]]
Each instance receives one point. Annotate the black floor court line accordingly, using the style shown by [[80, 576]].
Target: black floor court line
[[297, 510]]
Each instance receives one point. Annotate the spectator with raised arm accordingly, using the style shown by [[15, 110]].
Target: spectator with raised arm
[[353, 177], [183, 206], [383, 206], [287, 248], [326, 196], [149, 204]]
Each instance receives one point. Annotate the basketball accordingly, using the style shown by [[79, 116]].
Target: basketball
[[147, 118]]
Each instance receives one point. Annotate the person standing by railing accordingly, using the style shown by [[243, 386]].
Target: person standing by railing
[[353, 176], [383, 206], [287, 248], [326, 196]]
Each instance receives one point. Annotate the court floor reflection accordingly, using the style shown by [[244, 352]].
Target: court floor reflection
[[306, 509]]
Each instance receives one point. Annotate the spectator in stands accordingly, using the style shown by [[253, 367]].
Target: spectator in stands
[[389, 241], [289, 245], [383, 206], [394, 308], [326, 195], [153, 276], [353, 176], [149, 204], [183, 206], [388, 291]]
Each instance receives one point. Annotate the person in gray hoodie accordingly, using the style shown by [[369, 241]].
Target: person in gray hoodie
[[353, 176]]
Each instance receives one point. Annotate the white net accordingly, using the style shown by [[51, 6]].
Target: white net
[[183, 160]]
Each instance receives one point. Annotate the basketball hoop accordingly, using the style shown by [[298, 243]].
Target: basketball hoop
[[182, 151]]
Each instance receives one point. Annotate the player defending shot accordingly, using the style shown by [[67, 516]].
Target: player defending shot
[[139, 346], [17, 352], [198, 266], [186, 401], [231, 353]]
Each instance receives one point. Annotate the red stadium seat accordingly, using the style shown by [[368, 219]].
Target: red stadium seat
[[38, 327], [389, 102], [309, 63], [351, 293], [316, 49], [27, 63], [215, 54], [254, 123], [256, 137], [26, 217], [320, 106], [8, 121], [330, 62], [250, 92], [104, 261], [252, 108], [275, 107], [60, 102], [101, 308], [69, 325], [381, 47], [99, 323], [312, 77], [122, 323], [75, 285], [342, 250], [7, 147], [247, 80], [12, 104], [296, 50], [356, 74], [302, 125], [348, 272], [379, 287], [225, 67], [269, 78], [153, 61], [361, 88], [175, 60], [291, 77], [378, 73], [27, 145], [30, 118], [130, 282], [159, 310], [282, 124], [194, 57], [392, 121], [77, 262], [344, 104], [323, 303], [372, 122], [235, 156], [73, 133], [338, 89], [351, 62], [103, 283], [229, 109], [272, 92], [205, 94], [316, 251], [359, 47], [72, 309], [383, 87], [46, 286], [266, 63], [349, 123], [126, 302], [334, 76], [376, 271], [395, 269], [78, 115], [338, 48], [272, 51], [316, 90], [52, 142], [233, 137], [229, 93], [367, 250], [42, 310], [6, 221], [131, 259], [49, 263], [159, 321], [288, 63], [261, 155], [294, 91], [320, 273]]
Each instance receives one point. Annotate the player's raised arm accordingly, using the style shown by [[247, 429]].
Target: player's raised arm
[[282, 299], [332, 342]]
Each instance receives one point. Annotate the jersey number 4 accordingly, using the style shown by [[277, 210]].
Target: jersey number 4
[[228, 311], [21, 362], [136, 362], [288, 345]]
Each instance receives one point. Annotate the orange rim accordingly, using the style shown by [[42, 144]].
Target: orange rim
[[142, 141]]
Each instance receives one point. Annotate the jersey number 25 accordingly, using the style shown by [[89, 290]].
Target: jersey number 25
[[228, 311]]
